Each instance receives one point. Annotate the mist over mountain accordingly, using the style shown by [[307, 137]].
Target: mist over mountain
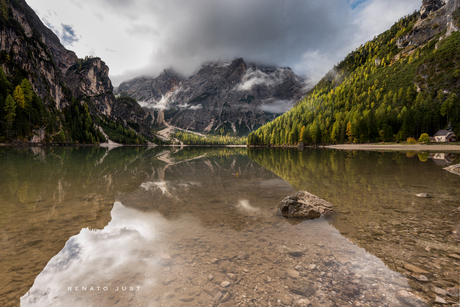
[[233, 95]]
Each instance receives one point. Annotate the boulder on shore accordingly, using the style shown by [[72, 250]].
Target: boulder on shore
[[304, 205]]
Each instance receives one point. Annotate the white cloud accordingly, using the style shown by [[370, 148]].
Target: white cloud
[[198, 106], [277, 107], [151, 35], [108, 251], [255, 76], [316, 63]]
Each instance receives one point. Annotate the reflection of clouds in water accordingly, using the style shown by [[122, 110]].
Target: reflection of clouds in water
[[161, 185], [245, 206], [166, 187], [94, 257], [276, 183], [187, 185]]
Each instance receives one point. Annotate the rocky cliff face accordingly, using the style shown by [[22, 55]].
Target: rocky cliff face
[[31, 22], [32, 50], [24, 52], [133, 115], [90, 79], [232, 95], [149, 89], [436, 16], [28, 49], [429, 6]]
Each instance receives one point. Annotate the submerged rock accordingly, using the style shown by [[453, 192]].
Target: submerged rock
[[439, 300], [453, 291], [414, 269], [423, 195], [410, 299], [304, 205]]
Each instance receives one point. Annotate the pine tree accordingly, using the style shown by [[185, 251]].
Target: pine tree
[[4, 10], [28, 95], [27, 91], [18, 96], [10, 110], [5, 85], [349, 132]]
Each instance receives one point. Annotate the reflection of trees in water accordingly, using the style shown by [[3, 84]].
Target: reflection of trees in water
[[216, 186], [12, 179], [343, 177], [192, 152], [374, 201], [29, 173], [368, 188]]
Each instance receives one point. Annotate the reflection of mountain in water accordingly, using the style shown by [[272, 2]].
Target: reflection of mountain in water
[[49, 194], [214, 187], [375, 204], [200, 213]]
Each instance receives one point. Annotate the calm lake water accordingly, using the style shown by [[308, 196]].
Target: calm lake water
[[198, 227]]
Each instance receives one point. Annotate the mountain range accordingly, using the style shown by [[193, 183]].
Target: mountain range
[[401, 84], [226, 96], [71, 100]]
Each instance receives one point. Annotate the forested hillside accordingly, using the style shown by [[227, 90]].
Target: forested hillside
[[22, 112], [210, 139], [386, 90]]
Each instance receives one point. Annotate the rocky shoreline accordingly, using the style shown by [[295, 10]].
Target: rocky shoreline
[[397, 147]]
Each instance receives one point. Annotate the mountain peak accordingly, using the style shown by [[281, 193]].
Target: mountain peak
[[231, 94], [235, 71], [429, 6], [424, 29]]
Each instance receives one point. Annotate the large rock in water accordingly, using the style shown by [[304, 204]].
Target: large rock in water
[[304, 205]]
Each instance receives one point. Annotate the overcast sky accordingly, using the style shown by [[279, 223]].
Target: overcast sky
[[143, 37]]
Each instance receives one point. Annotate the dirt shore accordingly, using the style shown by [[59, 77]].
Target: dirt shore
[[383, 147]]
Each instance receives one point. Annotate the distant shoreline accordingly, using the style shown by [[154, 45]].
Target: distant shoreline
[[106, 145], [366, 147], [396, 147]]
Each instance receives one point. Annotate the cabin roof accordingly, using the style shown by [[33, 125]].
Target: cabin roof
[[444, 133]]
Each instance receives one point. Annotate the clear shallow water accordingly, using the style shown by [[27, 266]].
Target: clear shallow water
[[196, 227]]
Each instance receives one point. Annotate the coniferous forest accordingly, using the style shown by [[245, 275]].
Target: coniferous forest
[[22, 113], [194, 139], [20, 108], [377, 93]]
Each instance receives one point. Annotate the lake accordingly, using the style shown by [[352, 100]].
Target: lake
[[136, 226]]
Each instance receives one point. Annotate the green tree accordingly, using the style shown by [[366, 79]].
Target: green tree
[[27, 90], [5, 85], [424, 138], [450, 107], [18, 96], [350, 132], [335, 134], [10, 112], [28, 95], [4, 10]]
